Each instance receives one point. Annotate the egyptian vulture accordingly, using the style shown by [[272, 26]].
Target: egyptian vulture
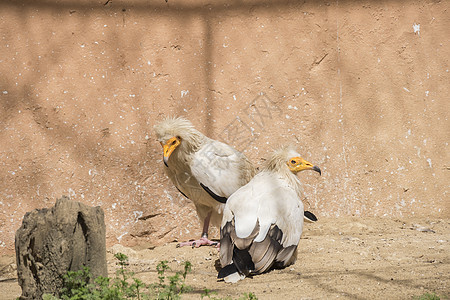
[[202, 169], [263, 220]]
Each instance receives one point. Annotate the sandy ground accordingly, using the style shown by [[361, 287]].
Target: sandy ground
[[348, 258], [360, 88]]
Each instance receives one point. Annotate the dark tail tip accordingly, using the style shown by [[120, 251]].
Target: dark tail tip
[[227, 270], [310, 216], [243, 261]]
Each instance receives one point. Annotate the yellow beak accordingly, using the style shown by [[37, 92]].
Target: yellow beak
[[169, 147], [304, 165]]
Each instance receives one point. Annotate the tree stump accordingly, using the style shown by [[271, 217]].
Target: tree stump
[[52, 241]]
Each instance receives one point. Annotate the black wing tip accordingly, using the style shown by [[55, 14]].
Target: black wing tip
[[227, 270], [212, 194], [243, 261], [310, 216]]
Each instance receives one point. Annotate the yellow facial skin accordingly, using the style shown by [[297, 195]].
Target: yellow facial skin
[[169, 147], [297, 164]]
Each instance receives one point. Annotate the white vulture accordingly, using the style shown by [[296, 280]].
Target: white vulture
[[204, 170], [263, 220]]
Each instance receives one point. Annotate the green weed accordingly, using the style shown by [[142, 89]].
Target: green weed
[[78, 285], [427, 296], [207, 293], [173, 286]]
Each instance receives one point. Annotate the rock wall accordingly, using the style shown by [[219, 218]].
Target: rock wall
[[360, 87]]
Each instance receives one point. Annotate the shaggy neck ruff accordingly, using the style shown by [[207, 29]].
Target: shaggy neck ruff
[[191, 138]]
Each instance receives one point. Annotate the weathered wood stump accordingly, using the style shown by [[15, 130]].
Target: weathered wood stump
[[52, 241]]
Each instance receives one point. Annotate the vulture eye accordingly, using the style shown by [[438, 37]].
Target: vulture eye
[[293, 162], [173, 142]]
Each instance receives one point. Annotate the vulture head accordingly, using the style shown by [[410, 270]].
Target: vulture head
[[286, 160], [297, 164], [177, 135]]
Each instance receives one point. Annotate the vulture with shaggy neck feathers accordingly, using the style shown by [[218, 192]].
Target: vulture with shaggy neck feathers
[[204, 170], [263, 220]]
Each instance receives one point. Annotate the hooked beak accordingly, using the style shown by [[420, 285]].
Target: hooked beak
[[298, 164], [317, 169], [168, 148], [309, 166]]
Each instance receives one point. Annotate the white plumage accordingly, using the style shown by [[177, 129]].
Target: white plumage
[[204, 170], [263, 220]]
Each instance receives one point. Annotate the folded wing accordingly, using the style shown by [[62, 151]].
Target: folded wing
[[264, 220]]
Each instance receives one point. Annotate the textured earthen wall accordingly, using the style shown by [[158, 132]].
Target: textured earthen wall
[[361, 87]]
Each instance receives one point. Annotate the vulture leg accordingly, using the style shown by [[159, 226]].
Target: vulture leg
[[203, 241]]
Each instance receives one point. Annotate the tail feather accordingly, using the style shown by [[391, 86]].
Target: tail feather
[[309, 216], [227, 270], [243, 261], [242, 264]]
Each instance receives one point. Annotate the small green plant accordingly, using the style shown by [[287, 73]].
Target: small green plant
[[79, 285], [209, 294], [427, 296], [176, 284], [123, 277], [248, 296], [212, 296], [76, 284]]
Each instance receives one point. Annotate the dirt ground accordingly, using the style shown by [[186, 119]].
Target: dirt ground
[[347, 258], [359, 87]]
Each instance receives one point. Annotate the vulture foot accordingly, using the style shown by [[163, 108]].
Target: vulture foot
[[200, 242]]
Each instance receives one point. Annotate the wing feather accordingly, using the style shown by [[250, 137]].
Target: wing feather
[[221, 168], [266, 220], [270, 247], [226, 244], [244, 243], [286, 256]]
